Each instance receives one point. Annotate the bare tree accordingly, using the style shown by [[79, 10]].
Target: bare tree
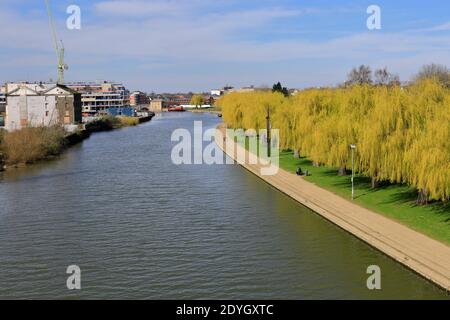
[[384, 78], [435, 71], [360, 75]]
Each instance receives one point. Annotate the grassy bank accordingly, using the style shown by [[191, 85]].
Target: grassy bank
[[395, 201], [31, 144], [215, 110], [110, 123], [392, 200]]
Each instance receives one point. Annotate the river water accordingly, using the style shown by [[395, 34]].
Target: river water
[[140, 227]]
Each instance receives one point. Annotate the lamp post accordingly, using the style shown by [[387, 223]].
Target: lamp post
[[269, 138], [353, 147]]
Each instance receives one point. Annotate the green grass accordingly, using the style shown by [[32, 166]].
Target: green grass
[[393, 201], [206, 110]]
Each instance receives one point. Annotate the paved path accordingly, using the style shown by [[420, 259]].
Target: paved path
[[426, 256]]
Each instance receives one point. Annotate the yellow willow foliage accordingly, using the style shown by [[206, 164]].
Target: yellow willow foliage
[[427, 156], [380, 134], [286, 121], [249, 110], [309, 110], [402, 134]]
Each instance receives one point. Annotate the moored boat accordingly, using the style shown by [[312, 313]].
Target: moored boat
[[176, 109]]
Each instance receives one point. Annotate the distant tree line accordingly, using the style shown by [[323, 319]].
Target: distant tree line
[[382, 77], [363, 75]]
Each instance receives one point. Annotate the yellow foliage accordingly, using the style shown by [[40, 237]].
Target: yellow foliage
[[197, 100], [402, 134]]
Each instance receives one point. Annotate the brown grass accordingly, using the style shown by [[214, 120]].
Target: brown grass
[[128, 121], [107, 123], [32, 144]]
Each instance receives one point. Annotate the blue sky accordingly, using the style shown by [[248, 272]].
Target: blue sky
[[197, 45]]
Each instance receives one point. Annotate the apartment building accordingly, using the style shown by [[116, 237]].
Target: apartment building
[[139, 100], [98, 97], [41, 104]]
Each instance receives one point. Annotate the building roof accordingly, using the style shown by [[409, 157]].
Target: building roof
[[39, 89], [63, 87]]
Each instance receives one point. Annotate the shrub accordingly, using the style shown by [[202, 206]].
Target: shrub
[[103, 124], [32, 144], [107, 123], [128, 121]]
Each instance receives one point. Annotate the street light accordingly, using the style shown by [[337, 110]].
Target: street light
[[269, 137], [353, 147]]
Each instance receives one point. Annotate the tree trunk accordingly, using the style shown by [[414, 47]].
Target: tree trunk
[[422, 198], [375, 183], [316, 164], [296, 154], [342, 171]]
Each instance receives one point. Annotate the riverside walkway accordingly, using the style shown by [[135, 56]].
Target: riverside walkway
[[426, 256]]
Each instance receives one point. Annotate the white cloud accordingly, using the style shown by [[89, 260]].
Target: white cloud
[[171, 35], [139, 8], [441, 27]]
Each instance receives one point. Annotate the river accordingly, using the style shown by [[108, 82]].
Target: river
[[140, 227]]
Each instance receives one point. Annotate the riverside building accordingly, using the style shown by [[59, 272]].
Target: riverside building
[[139, 100], [98, 97], [41, 104]]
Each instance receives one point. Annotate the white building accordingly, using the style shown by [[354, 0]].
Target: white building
[[216, 92], [98, 97], [34, 105]]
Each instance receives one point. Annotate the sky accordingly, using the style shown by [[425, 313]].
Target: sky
[[198, 45]]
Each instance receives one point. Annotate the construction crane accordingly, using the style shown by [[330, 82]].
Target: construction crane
[[59, 47]]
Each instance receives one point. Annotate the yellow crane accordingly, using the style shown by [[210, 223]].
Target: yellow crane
[[59, 48]]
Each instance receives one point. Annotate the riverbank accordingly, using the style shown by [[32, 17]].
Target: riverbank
[[30, 145], [208, 110], [426, 256], [394, 201]]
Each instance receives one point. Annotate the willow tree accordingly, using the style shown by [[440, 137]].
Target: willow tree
[[232, 109], [248, 110], [402, 134], [309, 112], [427, 157], [197, 100], [378, 133], [283, 119]]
